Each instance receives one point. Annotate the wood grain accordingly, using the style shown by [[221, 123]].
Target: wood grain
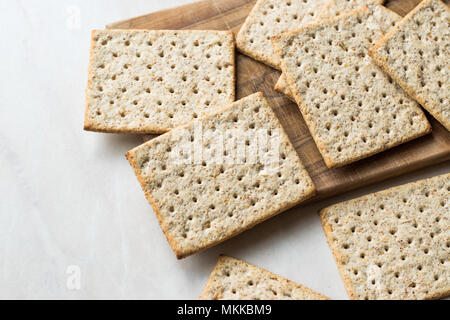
[[253, 76]]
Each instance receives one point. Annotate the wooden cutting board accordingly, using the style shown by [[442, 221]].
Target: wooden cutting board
[[253, 76]]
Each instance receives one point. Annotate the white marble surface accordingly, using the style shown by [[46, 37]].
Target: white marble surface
[[70, 204]]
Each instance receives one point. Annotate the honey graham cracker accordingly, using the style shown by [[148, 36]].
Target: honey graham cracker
[[394, 244], [416, 54], [149, 81], [352, 108], [386, 20], [206, 187], [234, 279]]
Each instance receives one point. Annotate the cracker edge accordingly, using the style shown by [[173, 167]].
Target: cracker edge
[[90, 126], [222, 259], [330, 163], [381, 62], [180, 254], [327, 228]]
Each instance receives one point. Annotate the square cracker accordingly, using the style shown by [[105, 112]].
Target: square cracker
[[149, 81], [233, 279], [416, 54], [216, 177], [394, 244], [386, 20], [269, 18], [353, 110]]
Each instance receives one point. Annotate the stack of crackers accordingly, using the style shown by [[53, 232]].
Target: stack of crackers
[[359, 74]]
